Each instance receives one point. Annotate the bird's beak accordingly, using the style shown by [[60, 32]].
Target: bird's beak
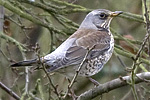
[[116, 13]]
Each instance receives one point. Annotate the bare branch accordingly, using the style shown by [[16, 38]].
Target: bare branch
[[111, 85], [37, 51], [9, 91]]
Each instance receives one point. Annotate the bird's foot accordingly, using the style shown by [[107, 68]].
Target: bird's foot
[[96, 83]]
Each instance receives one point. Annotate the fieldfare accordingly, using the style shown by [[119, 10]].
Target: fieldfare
[[93, 33]]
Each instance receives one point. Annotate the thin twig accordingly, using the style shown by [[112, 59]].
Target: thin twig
[[140, 51], [39, 85], [51, 83], [24, 31], [145, 80], [129, 55], [18, 24], [128, 42], [33, 97], [9, 91], [78, 70], [41, 60], [26, 77], [147, 31], [5, 56], [121, 62]]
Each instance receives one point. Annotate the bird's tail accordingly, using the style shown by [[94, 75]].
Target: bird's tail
[[25, 63]]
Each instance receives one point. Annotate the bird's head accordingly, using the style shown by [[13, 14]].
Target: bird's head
[[99, 18]]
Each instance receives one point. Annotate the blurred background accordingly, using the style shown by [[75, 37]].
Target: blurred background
[[29, 33]]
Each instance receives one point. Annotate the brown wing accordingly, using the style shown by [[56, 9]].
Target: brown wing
[[90, 38], [84, 38]]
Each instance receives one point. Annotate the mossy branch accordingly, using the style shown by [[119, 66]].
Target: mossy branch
[[133, 17], [40, 88], [127, 41], [27, 16], [132, 41], [129, 55], [12, 40]]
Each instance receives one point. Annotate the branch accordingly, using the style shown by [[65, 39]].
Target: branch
[[78, 70], [138, 42], [49, 8], [27, 16], [12, 40], [9, 91], [129, 55], [111, 85], [39, 85], [128, 42], [138, 55], [134, 17]]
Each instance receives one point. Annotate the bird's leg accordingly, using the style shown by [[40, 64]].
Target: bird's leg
[[96, 83]]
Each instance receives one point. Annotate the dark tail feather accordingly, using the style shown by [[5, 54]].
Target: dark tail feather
[[24, 63]]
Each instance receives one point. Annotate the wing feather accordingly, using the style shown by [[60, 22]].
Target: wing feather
[[84, 38], [99, 39]]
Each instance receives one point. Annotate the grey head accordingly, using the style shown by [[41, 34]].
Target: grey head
[[99, 18]]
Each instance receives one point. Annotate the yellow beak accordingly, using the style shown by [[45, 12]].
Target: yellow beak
[[116, 13]]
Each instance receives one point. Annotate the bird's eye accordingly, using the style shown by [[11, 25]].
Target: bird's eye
[[102, 15]]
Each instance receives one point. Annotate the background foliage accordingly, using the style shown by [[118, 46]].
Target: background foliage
[[49, 23]]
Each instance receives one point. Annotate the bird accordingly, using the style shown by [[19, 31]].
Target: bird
[[92, 36]]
